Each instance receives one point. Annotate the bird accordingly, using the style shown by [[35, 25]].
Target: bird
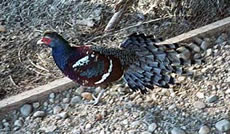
[[138, 60]]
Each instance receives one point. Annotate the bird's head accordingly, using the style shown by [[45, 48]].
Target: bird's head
[[52, 39]]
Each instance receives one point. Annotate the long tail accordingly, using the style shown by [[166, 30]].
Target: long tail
[[156, 62]]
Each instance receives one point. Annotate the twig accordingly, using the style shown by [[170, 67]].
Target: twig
[[37, 66], [120, 8], [126, 28], [12, 81]]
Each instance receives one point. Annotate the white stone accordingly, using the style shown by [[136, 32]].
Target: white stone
[[57, 109], [36, 105], [63, 115], [223, 125], [204, 130], [152, 127], [39, 114], [52, 96], [177, 131], [18, 123], [199, 105], [26, 109], [75, 99]]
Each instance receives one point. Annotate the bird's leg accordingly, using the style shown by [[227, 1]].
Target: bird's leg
[[96, 100]]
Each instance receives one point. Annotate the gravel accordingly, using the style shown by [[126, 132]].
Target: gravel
[[223, 125]]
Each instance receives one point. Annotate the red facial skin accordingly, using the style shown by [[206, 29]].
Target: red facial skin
[[46, 40]]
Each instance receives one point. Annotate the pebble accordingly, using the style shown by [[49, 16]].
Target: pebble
[[209, 52], [146, 132], [66, 100], [125, 122], [36, 105], [63, 115], [204, 130], [223, 125], [75, 100], [205, 45], [212, 99], [52, 96], [26, 109], [177, 131], [199, 105], [18, 123], [88, 126], [200, 95], [2, 28], [49, 129], [221, 38], [152, 127], [87, 96], [57, 109], [39, 114]]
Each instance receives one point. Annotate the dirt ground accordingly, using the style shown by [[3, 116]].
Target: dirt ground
[[25, 65]]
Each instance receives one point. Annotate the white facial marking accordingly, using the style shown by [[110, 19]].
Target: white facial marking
[[106, 75], [81, 62]]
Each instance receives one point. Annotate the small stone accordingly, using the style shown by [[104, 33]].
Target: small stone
[[66, 100], [2, 28], [63, 115], [204, 130], [171, 107], [152, 127], [57, 109], [205, 45], [18, 123], [75, 100], [39, 114], [16, 128], [212, 99], [87, 96], [52, 96], [209, 52], [45, 104], [146, 132], [125, 122], [177, 131], [88, 126], [26, 109], [223, 37], [6, 124], [51, 100], [199, 105], [200, 95], [49, 129], [223, 125], [36, 105]]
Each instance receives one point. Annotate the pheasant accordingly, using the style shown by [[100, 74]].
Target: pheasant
[[138, 60]]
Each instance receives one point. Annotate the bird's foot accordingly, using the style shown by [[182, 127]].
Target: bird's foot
[[96, 100]]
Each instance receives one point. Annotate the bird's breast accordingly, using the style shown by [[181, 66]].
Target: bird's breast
[[93, 68]]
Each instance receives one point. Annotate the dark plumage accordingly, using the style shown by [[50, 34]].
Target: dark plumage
[[142, 63]]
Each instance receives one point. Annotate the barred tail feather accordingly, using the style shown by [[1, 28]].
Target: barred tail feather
[[155, 63]]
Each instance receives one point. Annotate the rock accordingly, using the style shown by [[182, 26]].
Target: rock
[[152, 127], [6, 124], [36, 105], [212, 99], [223, 37], [16, 128], [88, 126], [199, 105], [209, 52], [87, 96], [146, 132], [18, 123], [66, 100], [125, 122], [26, 109], [200, 95], [205, 45], [223, 125], [177, 131], [2, 28], [204, 130], [49, 129], [52, 96], [57, 109], [75, 100], [198, 40], [63, 115], [39, 114]]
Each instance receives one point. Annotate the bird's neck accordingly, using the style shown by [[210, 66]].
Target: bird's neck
[[61, 54]]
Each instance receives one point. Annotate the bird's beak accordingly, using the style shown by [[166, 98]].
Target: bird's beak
[[39, 42]]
